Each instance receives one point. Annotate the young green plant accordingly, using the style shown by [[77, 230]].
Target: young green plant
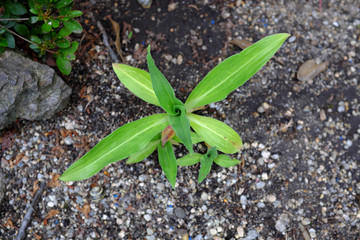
[[178, 125]]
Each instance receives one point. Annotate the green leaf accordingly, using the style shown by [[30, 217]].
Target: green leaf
[[162, 88], [34, 19], [137, 81], [144, 153], [62, 43], [33, 11], [64, 32], [181, 126], [63, 64], [54, 23], [216, 133], [120, 144], [206, 162], [17, 8], [72, 49], [22, 29], [74, 14], [10, 40], [46, 27], [73, 26], [167, 162], [3, 42], [225, 161], [195, 138], [62, 3], [189, 159], [34, 47], [234, 71], [35, 39]]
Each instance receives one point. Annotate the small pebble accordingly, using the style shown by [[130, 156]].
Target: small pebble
[[213, 231], [147, 217], [280, 226], [271, 198], [260, 185], [292, 39], [265, 154], [322, 115], [179, 212], [312, 233], [252, 234], [204, 196], [179, 59], [240, 231]]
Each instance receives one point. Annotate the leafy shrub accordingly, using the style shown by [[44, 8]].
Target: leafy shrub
[[179, 125], [44, 24]]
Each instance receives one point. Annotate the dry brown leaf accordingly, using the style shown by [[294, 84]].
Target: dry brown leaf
[[116, 28], [35, 188], [167, 134], [85, 210], [50, 214], [9, 223], [54, 180], [38, 237]]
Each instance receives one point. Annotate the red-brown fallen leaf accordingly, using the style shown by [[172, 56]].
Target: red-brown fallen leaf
[[54, 182], [85, 210], [38, 237], [167, 134], [10, 224], [19, 157], [50, 214]]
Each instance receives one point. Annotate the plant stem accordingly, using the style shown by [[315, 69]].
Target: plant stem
[[14, 19], [27, 40]]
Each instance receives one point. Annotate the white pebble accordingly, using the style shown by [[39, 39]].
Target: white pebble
[[240, 231], [213, 231], [260, 185], [252, 234], [292, 39], [312, 233], [51, 204], [280, 226], [265, 154], [147, 217], [204, 196], [271, 198]]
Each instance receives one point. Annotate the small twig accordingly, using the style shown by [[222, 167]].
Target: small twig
[[304, 232], [30, 210], [106, 42], [105, 39], [27, 40]]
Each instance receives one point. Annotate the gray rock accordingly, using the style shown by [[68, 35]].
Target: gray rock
[[28, 89], [179, 212], [2, 186]]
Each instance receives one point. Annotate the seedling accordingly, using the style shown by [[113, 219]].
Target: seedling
[[179, 125]]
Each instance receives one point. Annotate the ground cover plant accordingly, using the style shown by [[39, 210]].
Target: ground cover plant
[[44, 25], [179, 125]]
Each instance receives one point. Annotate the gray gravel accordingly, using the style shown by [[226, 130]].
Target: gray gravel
[[301, 139]]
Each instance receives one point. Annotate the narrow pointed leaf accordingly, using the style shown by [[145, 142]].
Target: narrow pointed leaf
[[216, 133], [144, 153], [195, 138], [120, 144], [206, 162], [162, 88], [137, 81], [167, 162], [225, 161], [181, 126], [189, 159], [234, 71]]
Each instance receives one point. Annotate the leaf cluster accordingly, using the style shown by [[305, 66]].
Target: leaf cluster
[[45, 24], [179, 125]]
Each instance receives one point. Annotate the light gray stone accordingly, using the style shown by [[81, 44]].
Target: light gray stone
[[29, 90]]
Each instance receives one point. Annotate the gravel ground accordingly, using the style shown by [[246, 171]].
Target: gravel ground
[[299, 177]]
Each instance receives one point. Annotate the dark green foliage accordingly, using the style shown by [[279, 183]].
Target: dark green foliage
[[44, 24]]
